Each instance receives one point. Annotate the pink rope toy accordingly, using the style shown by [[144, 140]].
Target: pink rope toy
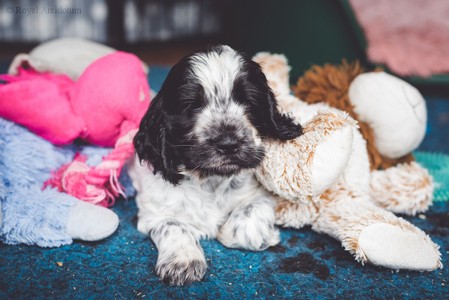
[[104, 107], [98, 185]]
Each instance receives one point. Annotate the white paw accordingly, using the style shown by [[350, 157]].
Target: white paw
[[249, 234], [392, 247], [180, 268]]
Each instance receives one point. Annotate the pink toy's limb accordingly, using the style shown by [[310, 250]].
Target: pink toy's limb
[[98, 185]]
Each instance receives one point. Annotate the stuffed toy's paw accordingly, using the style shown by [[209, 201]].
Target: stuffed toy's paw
[[321, 153], [398, 248], [373, 234], [396, 112], [411, 192], [89, 222], [394, 109]]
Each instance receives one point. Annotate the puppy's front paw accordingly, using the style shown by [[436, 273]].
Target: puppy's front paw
[[249, 230], [177, 271]]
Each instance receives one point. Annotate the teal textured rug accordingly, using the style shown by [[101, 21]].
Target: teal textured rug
[[305, 265], [438, 166]]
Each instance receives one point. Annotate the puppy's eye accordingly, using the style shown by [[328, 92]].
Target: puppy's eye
[[192, 106]]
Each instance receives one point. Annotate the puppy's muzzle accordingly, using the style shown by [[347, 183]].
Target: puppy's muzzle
[[228, 145]]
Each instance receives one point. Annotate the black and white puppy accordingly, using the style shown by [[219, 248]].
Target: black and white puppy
[[200, 142]]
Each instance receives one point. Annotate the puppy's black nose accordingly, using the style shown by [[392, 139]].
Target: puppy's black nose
[[228, 145]]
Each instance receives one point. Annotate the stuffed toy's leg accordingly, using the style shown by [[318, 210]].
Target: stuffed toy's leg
[[373, 234], [46, 217], [368, 231], [397, 114], [406, 188]]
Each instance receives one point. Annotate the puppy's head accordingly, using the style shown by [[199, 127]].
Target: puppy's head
[[209, 117]]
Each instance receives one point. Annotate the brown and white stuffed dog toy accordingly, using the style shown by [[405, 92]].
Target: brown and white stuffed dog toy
[[342, 176]]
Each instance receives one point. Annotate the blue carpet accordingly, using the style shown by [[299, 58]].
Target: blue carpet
[[304, 265]]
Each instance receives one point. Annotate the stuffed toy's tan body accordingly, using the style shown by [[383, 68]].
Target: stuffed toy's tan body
[[328, 177]]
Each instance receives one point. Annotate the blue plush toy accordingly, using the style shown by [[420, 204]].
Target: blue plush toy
[[46, 218]]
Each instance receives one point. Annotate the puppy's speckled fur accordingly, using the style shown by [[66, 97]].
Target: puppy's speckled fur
[[199, 144]]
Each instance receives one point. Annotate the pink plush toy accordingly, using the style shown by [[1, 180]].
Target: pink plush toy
[[103, 107]]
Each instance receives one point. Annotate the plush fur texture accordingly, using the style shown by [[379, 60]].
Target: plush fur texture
[[201, 140], [44, 217], [30, 215], [330, 84], [353, 208]]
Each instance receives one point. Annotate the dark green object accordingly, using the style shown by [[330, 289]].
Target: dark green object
[[308, 32]]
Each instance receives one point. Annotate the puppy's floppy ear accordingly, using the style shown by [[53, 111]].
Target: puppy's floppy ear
[[265, 114], [151, 142], [275, 124]]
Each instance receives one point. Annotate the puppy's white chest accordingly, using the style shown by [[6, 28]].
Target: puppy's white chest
[[222, 191], [205, 204], [213, 199]]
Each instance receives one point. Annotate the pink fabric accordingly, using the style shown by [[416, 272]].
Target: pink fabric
[[113, 89], [410, 36], [104, 107], [26, 95]]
